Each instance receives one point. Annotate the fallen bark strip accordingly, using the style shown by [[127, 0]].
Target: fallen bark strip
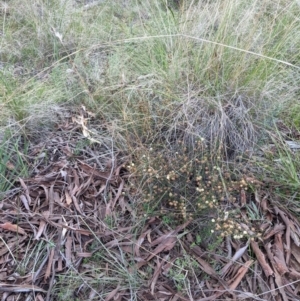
[[261, 259]]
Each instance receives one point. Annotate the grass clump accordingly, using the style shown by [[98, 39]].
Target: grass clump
[[280, 171], [218, 69], [13, 163]]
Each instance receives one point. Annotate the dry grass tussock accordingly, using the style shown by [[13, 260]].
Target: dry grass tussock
[[151, 67]]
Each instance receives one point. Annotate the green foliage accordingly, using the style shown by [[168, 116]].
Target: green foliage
[[280, 170], [292, 117], [180, 270], [12, 161]]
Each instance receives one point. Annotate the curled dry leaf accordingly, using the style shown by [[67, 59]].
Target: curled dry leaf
[[238, 254], [41, 230], [295, 238], [24, 201], [26, 190], [12, 227], [68, 198]]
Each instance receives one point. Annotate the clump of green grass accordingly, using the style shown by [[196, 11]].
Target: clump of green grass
[[13, 163], [280, 170], [184, 268], [291, 116]]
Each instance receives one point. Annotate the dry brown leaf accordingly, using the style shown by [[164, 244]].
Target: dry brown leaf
[[112, 294], [118, 169], [253, 181], [240, 275], [68, 198], [26, 191], [140, 242], [84, 254], [12, 227], [108, 211], [66, 149], [261, 259], [68, 246], [272, 231], [294, 274], [49, 265], [51, 199], [123, 204], [98, 174], [15, 288], [149, 238], [41, 230], [118, 194], [287, 222], [59, 264], [15, 242], [295, 237], [81, 231], [172, 233], [279, 255], [264, 204], [76, 179], [296, 252], [39, 297], [155, 275], [238, 254], [205, 266], [24, 201], [164, 293], [64, 229], [75, 201], [279, 283], [166, 245]]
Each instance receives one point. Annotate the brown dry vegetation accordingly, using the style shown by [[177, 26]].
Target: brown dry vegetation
[[149, 150]]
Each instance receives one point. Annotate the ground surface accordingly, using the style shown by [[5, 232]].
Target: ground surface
[[74, 218], [149, 150]]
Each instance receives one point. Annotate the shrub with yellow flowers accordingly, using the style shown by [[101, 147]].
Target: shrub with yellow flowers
[[186, 183]]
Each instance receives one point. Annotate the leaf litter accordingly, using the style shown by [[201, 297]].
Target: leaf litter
[[73, 216]]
